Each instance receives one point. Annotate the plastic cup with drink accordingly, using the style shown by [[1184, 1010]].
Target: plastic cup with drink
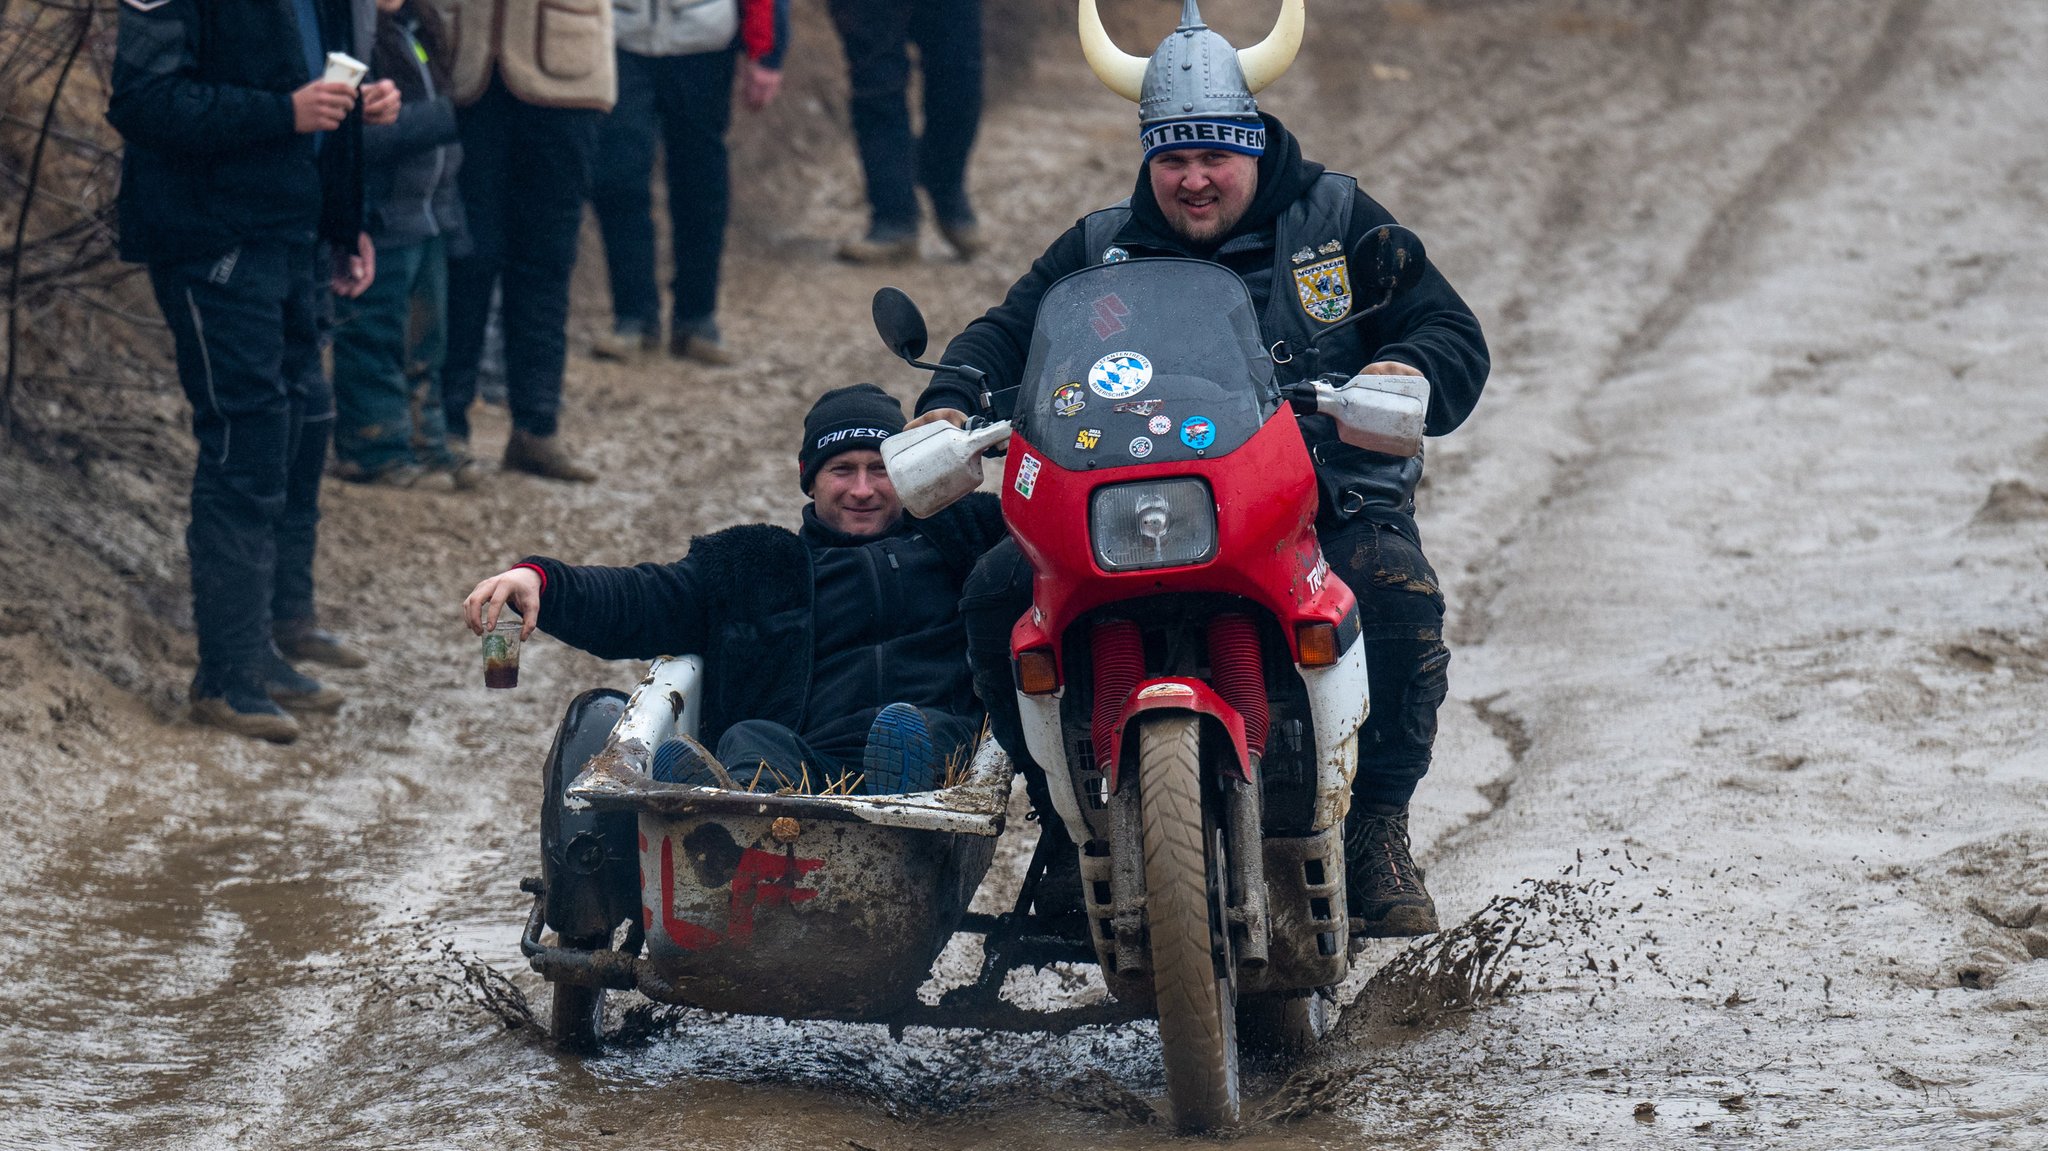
[[501, 651]]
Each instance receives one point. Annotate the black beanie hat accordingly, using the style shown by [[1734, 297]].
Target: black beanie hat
[[848, 419]]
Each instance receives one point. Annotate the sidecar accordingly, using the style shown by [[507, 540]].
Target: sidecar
[[796, 905]]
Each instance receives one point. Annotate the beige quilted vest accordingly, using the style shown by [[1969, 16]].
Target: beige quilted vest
[[554, 53]]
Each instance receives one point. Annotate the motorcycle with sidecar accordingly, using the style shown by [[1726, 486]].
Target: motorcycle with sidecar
[[1188, 674]]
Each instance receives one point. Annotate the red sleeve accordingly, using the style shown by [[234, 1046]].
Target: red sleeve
[[757, 27]]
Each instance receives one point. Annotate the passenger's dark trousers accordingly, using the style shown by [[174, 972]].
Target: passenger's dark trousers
[[247, 335], [1401, 613], [683, 103], [876, 35], [525, 175], [752, 743]]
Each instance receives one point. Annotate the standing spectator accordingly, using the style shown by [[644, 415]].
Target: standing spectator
[[875, 34], [240, 161], [675, 86], [531, 82], [390, 342]]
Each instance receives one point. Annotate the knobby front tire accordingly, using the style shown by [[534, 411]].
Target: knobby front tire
[[1183, 877]]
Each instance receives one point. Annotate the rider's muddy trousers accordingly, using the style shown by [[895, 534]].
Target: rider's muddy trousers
[[1401, 615]]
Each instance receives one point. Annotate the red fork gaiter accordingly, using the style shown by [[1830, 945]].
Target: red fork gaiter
[[1119, 667], [1238, 675]]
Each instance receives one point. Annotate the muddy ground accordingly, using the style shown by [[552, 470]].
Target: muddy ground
[[1747, 555]]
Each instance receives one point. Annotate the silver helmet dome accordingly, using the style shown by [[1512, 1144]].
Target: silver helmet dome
[[1194, 73]]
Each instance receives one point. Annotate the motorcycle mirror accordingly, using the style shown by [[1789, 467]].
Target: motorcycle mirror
[[1390, 258], [900, 324], [1385, 261]]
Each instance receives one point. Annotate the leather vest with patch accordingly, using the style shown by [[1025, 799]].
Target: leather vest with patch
[[1304, 272]]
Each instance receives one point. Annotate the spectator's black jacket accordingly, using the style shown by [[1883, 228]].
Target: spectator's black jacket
[[1428, 327], [814, 631], [202, 97]]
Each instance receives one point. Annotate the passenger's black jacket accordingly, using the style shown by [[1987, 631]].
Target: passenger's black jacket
[[202, 97], [814, 631], [1428, 327]]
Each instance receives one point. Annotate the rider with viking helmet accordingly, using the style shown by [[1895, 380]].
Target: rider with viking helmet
[[1223, 182]]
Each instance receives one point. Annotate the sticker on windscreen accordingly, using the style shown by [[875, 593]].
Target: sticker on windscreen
[[1140, 448], [1027, 476], [1068, 400], [1120, 375], [1197, 432], [1159, 426], [1086, 439], [1138, 407]]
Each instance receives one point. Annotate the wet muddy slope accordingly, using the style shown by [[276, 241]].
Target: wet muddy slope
[[1740, 792]]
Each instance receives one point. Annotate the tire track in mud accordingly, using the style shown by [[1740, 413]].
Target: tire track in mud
[[1720, 246], [1703, 270]]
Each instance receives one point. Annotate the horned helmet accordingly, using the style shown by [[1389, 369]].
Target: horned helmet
[[1195, 90]]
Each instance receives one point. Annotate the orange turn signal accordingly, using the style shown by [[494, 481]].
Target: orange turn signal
[[1037, 673], [1317, 642]]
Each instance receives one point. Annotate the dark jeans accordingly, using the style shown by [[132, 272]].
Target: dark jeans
[[389, 344], [683, 103], [875, 35], [525, 175], [248, 342], [1401, 613], [751, 743]]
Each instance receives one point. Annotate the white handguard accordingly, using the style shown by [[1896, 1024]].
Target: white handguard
[[935, 464], [1378, 413]]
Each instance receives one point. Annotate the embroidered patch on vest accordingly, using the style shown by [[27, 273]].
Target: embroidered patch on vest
[[1325, 289]]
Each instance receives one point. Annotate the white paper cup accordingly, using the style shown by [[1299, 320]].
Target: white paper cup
[[343, 68]]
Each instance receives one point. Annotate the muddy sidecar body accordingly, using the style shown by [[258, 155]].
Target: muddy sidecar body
[[803, 906]]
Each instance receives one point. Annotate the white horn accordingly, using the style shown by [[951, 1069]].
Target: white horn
[[1121, 71], [1264, 61]]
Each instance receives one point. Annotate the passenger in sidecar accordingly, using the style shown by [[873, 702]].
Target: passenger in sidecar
[[834, 654]]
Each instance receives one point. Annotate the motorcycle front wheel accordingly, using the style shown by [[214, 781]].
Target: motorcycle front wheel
[[1193, 982]]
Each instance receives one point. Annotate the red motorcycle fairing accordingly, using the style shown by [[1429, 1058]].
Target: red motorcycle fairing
[[1183, 695], [1266, 549]]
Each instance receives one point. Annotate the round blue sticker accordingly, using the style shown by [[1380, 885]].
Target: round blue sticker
[[1197, 432]]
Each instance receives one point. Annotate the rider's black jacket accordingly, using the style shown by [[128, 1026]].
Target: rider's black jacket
[[1428, 327], [202, 97], [813, 630]]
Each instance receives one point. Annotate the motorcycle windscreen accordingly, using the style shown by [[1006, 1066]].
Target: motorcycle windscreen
[[1144, 362]]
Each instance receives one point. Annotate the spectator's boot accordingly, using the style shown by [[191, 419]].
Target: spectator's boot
[[544, 456], [288, 688], [302, 641], [964, 236], [629, 340], [681, 759], [238, 703], [1382, 884], [879, 247], [699, 340], [900, 757]]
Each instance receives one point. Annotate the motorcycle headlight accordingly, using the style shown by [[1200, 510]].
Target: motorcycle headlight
[[1155, 524]]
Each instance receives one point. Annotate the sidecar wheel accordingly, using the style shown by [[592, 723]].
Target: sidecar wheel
[[577, 1021], [1193, 980]]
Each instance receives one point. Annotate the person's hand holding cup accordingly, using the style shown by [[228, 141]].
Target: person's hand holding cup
[[485, 612]]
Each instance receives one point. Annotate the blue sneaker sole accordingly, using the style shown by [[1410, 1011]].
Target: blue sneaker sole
[[899, 756]]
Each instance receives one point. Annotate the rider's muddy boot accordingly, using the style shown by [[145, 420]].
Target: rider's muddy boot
[[1382, 884], [899, 757]]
